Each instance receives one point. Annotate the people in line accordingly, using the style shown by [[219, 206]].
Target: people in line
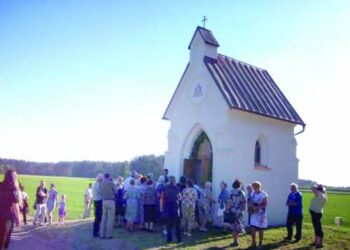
[[295, 212], [316, 210], [52, 200], [173, 205], [24, 208], [10, 197], [40, 204], [108, 207], [62, 210], [258, 218], [87, 201], [96, 196]]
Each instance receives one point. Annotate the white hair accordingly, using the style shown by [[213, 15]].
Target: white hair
[[99, 177], [295, 185]]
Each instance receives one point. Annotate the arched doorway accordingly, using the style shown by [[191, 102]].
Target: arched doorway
[[199, 166]]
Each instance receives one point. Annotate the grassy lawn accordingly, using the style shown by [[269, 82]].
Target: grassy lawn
[[334, 239], [74, 188]]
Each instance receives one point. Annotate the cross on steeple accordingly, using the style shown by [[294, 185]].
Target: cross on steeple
[[204, 20]]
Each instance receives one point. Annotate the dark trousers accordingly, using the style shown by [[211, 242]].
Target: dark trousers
[[24, 217], [173, 223], [316, 222], [297, 220], [98, 217], [6, 228]]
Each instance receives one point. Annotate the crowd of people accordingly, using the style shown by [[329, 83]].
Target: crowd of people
[[142, 203]]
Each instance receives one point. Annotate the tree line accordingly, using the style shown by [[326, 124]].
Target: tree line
[[143, 164]]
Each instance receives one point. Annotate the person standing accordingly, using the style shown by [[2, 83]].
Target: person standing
[[258, 218], [96, 196], [171, 200], [10, 197], [119, 202], [40, 204], [87, 201], [150, 205], [132, 197], [188, 203], [25, 204], [239, 202], [204, 209], [62, 210], [316, 211], [222, 199], [51, 202], [295, 212], [108, 207]]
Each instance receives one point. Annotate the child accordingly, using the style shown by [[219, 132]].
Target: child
[[62, 212], [229, 217], [24, 207]]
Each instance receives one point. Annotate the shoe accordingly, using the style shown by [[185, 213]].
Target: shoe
[[287, 238], [318, 246], [234, 244]]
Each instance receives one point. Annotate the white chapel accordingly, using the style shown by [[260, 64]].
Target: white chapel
[[230, 120]]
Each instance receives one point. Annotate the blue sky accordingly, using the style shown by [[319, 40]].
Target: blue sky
[[91, 79]]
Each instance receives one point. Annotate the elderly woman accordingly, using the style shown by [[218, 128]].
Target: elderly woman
[[204, 205], [132, 197], [258, 219], [188, 204], [239, 202], [316, 211]]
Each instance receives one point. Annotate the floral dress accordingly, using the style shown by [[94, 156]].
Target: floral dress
[[239, 202], [204, 204], [188, 205]]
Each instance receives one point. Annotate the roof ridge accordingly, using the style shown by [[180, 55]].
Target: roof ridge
[[239, 61]]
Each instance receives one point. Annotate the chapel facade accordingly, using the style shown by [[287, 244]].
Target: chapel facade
[[229, 119]]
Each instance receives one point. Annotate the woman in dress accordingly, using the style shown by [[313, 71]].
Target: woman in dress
[[10, 196], [258, 219], [222, 199], [132, 196], [316, 211], [205, 201], [239, 202], [189, 200], [51, 202]]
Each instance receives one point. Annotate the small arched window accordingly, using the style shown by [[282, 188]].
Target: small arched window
[[257, 155]]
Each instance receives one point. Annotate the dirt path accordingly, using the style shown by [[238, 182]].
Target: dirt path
[[74, 235]]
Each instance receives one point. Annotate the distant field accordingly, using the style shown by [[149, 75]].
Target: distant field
[[338, 203], [74, 188]]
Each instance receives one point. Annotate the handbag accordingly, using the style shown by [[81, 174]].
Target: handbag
[[221, 210], [229, 217]]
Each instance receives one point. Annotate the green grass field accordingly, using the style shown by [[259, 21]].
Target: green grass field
[[74, 188]]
